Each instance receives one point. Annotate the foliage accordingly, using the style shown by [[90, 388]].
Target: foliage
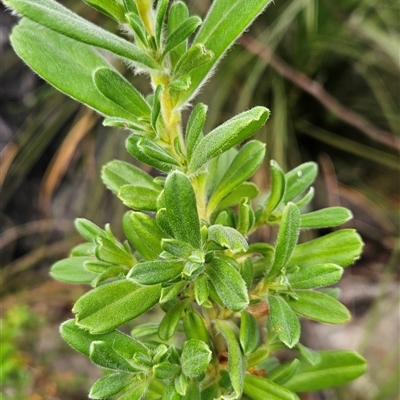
[[189, 246]]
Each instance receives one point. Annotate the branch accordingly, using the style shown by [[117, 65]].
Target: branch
[[318, 92]]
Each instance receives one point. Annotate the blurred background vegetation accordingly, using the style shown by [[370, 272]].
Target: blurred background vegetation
[[329, 72]]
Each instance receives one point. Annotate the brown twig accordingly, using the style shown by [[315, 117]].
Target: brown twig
[[318, 92]]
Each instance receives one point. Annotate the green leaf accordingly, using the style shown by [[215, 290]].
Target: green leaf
[[177, 248], [287, 239], [171, 292], [194, 128], [262, 389], [201, 291], [334, 369], [83, 250], [113, 9], [113, 86], [180, 34], [171, 319], [139, 197], [178, 13], [111, 305], [166, 370], [116, 174], [66, 64], [319, 307], [145, 330], [150, 153], [246, 218], [315, 276], [195, 327], [144, 233], [224, 23], [58, 18], [72, 270], [247, 272], [277, 191], [109, 385], [227, 237], [156, 109], [311, 356], [153, 272], [88, 229], [160, 17], [109, 251], [326, 218], [299, 179], [228, 284], [284, 321], [246, 189], [193, 391], [236, 359], [180, 201], [249, 333], [101, 353], [80, 339], [342, 247], [136, 392], [243, 166], [196, 356], [227, 135], [284, 372]]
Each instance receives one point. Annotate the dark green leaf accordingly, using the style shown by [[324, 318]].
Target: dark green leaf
[[195, 327], [169, 323], [315, 276], [262, 389], [287, 239], [277, 191], [227, 136], [326, 218], [228, 283], [341, 247], [109, 306], [56, 17], [249, 333], [247, 272], [156, 109], [284, 321], [334, 369], [72, 270], [180, 201], [153, 272], [319, 307], [113, 86], [243, 166], [299, 179], [166, 370]]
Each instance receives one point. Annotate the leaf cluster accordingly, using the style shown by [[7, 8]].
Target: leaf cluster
[[190, 242]]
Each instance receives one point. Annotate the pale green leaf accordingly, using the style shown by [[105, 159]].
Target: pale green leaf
[[258, 388], [157, 271], [72, 270], [196, 356], [315, 276], [109, 385], [299, 179], [326, 217]]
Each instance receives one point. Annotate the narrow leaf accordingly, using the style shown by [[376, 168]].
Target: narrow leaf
[[326, 218], [299, 179], [160, 17], [169, 323], [58, 18], [153, 272], [109, 385], [88, 229], [262, 389], [228, 283], [341, 247], [227, 135], [249, 333], [180, 201], [236, 359], [194, 129], [243, 166], [111, 305], [144, 233], [287, 239], [195, 327], [319, 307], [118, 173], [315, 276], [178, 13], [334, 369], [284, 321]]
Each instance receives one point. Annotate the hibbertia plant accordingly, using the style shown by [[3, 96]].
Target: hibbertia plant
[[230, 302]]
